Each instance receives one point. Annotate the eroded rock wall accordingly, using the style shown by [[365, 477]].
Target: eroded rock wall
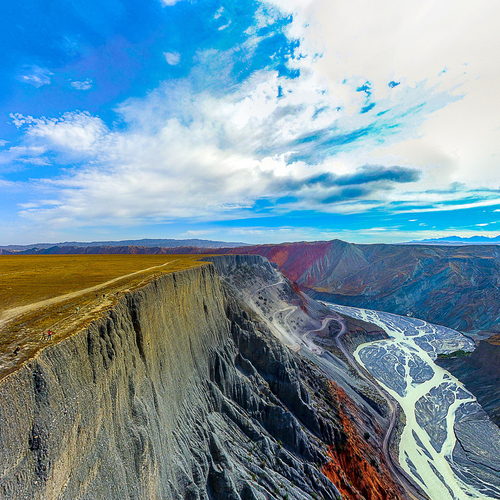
[[480, 373], [178, 392]]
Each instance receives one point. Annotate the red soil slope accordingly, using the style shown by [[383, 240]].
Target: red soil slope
[[357, 467]]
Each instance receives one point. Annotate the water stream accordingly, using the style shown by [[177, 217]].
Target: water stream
[[434, 403]]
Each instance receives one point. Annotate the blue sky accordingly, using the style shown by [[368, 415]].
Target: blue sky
[[248, 121]]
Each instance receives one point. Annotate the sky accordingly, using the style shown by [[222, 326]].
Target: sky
[[246, 120]]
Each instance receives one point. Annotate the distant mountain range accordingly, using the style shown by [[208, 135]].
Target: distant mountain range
[[147, 242], [454, 286], [457, 240]]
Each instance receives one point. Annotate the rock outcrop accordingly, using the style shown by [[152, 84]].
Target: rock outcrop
[[480, 373], [181, 390]]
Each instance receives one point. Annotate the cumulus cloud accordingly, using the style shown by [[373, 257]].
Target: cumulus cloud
[[202, 156], [446, 46], [172, 58], [36, 76], [336, 138], [82, 84]]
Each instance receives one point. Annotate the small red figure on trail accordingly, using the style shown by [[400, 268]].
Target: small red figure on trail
[[47, 335]]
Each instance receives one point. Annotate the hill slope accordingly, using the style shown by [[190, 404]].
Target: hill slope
[[453, 286]]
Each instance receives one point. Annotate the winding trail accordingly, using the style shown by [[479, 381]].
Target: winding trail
[[305, 341], [393, 464], [396, 464], [281, 281]]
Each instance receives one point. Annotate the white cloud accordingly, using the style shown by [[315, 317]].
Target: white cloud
[[72, 132], [203, 163], [82, 84], [192, 154], [172, 58], [185, 155], [446, 45], [22, 154], [456, 206], [169, 3], [36, 76], [6, 184], [219, 12], [224, 26]]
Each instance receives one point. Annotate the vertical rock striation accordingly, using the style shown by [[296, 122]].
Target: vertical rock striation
[[479, 371], [179, 391]]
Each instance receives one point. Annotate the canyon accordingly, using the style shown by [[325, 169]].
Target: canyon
[[436, 445], [457, 287], [223, 380], [181, 390], [453, 286]]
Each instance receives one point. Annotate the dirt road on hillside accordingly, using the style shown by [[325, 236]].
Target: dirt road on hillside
[[396, 470]]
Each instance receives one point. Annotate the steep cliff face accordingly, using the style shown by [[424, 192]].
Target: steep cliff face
[[174, 394], [181, 390], [480, 373], [359, 462], [452, 286]]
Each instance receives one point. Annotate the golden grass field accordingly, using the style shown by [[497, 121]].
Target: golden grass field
[[64, 293]]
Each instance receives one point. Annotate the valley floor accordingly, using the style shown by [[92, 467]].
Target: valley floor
[[448, 444]]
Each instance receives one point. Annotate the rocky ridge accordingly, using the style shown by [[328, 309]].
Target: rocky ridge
[[480, 374], [186, 389]]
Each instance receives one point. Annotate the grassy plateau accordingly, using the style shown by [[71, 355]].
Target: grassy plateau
[[64, 293]]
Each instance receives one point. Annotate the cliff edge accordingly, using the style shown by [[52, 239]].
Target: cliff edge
[[173, 393]]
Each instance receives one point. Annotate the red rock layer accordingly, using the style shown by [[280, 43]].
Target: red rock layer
[[357, 467], [293, 259]]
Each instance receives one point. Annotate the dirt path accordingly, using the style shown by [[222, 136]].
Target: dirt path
[[310, 343], [392, 405], [10, 314], [306, 341], [280, 282], [394, 414]]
